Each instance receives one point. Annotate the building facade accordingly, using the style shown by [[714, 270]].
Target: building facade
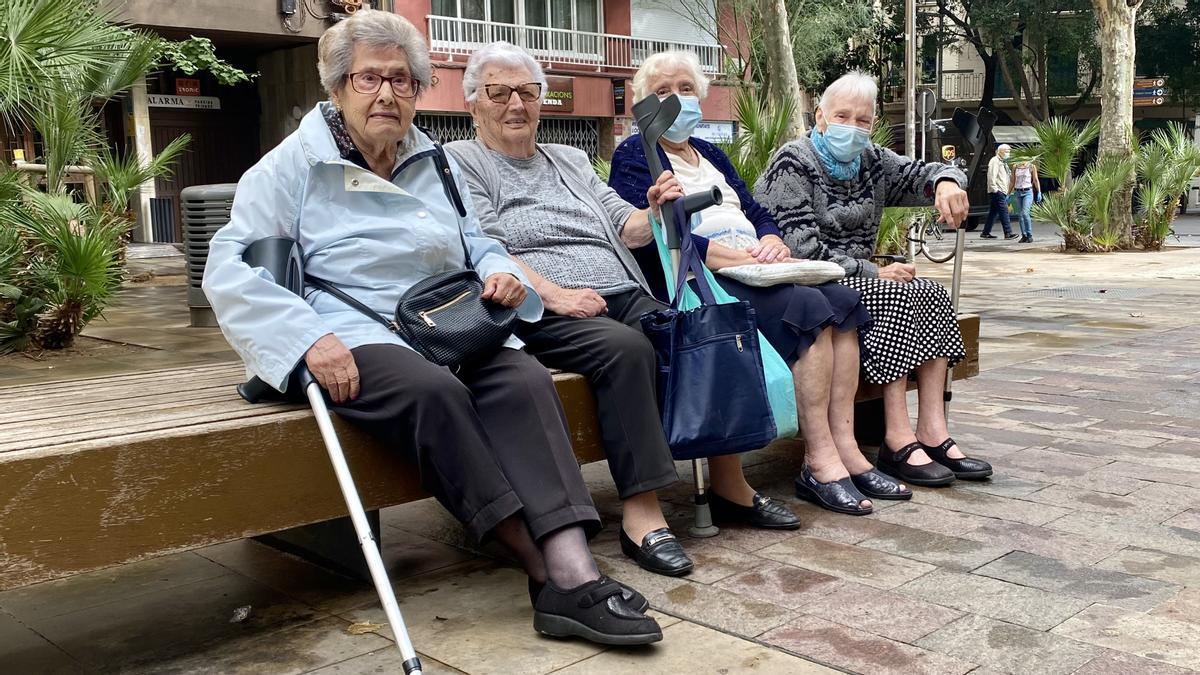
[[589, 48]]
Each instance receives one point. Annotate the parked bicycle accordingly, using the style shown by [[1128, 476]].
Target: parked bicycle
[[931, 239]]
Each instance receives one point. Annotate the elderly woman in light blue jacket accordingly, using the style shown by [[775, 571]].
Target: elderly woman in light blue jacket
[[357, 187]]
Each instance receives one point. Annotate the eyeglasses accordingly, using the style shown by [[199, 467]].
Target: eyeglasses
[[369, 83], [500, 93]]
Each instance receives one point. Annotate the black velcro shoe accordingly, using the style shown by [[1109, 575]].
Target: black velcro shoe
[[594, 611], [766, 512], [964, 468], [660, 553], [895, 463], [636, 601], [878, 485]]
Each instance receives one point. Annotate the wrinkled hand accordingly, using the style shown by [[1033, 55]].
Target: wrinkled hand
[[951, 203], [665, 189], [901, 272], [333, 365], [770, 249], [503, 288], [579, 303]]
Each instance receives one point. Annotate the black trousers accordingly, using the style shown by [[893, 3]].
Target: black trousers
[[489, 442], [618, 361]]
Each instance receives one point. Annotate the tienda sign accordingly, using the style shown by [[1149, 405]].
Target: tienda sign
[[559, 96]]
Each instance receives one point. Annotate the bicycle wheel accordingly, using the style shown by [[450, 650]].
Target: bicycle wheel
[[936, 245]]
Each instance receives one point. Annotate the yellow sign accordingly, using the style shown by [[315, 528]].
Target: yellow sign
[[18, 155]]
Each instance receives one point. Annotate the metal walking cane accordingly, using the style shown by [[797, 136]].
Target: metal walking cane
[[284, 259], [960, 245], [654, 117]]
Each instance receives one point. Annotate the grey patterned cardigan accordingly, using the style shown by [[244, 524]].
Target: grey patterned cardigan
[[822, 218]]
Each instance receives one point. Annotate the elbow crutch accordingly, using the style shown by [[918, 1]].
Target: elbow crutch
[[284, 258]]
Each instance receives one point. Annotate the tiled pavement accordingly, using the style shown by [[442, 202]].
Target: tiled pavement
[[1082, 555]]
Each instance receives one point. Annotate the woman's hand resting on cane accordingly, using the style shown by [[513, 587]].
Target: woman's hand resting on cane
[[333, 365]]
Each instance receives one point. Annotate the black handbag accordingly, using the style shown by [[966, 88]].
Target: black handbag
[[443, 317]]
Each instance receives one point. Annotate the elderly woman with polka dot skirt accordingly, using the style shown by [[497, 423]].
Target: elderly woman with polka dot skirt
[[827, 191]]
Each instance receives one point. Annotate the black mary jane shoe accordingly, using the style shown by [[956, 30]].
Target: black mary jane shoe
[[636, 601], [660, 553], [875, 484], [839, 496], [766, 512], [964, 468], [895, 463], [594, 611]]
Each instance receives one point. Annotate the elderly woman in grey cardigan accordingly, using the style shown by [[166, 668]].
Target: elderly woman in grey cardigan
[[827, 191], [570, 233]]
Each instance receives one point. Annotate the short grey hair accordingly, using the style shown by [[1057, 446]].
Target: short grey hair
[[373, 28], [498, 53], [856, 85], [1003, 147], [675, 57]]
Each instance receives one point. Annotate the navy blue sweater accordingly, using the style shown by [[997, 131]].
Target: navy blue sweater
[[630, 177]]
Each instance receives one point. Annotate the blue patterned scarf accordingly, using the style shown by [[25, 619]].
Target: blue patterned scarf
[[839, 170]]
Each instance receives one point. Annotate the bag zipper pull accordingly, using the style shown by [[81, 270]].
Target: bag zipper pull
[[428, 321], [739, 342]]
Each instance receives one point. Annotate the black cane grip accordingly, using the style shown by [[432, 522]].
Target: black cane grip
[[304, 377], [254, 390], [698, 201]]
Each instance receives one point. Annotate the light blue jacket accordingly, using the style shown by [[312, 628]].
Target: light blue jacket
[[373, 238]]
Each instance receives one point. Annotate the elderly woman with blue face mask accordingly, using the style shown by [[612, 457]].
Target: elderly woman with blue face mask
[[815, 329], [827, 190]]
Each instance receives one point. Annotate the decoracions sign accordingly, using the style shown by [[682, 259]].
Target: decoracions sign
[[559, 96]]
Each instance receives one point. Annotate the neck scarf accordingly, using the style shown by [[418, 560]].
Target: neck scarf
[[839, 170]]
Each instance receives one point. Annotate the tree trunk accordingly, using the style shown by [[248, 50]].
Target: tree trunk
[[990, 64], [1117, 51], [782, 63]]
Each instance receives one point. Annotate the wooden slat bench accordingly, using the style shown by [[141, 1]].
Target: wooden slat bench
[[102, 471]]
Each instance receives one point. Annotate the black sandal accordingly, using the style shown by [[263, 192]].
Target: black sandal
[[594, 611], [876, 484], [964, 468], [895, 463], [839, 496]]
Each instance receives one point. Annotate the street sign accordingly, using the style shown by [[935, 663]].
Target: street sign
[[1141, 102], [1150, 93], [1149, 82]]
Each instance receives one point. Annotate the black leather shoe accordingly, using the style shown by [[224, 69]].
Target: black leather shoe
[[766, 512], [839, 496], [636, 601], [878, 485], [593, 611], [965, 468], [895, 463], [660, 553]]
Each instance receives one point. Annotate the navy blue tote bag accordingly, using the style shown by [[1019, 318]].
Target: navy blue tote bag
[[712, 394]]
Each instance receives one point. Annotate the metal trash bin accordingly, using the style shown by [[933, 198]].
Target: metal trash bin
[[205, 209]]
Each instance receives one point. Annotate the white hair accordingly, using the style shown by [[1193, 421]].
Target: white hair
[[1003, 147], [499, 53], [855, 85], [675, 58], [373, 28]]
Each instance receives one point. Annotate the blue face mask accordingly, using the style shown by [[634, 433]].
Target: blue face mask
[[685, 123], [846, 142]]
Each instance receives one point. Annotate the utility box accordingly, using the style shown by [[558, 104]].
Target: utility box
[[205, 209]]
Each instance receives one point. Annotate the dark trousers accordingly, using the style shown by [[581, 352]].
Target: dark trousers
[[489, 442], [618, 361], [998, 206]]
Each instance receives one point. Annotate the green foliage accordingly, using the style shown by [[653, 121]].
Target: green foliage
[[1060, 142], [124, 173], [195, 54], [1166, 165], [882, 134], [602, 167], [763, 129]]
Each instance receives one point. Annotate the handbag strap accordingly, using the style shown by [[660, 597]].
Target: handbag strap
[[349, 300], [452, 194], [689, 261]]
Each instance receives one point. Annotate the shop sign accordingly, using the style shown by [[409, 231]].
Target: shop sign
[[187, 87], [559, 96], [618, 97], [195, 102]]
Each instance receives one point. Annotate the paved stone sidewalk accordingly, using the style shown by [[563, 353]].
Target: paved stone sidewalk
[[1082, 555]]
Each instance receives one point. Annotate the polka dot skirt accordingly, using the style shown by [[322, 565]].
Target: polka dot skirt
[[913, 323]]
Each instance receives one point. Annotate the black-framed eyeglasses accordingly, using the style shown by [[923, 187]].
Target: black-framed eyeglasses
[[369, 83], [500, 93]]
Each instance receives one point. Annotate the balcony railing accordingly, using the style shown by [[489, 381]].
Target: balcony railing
[[451, 35], [966, 86]]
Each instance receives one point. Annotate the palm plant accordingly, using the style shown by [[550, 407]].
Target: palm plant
[[121, 174], [764, 127], [1060, 143], [602, 167], [1166, 165]]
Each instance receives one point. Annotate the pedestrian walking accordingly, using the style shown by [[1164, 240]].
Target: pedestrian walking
[[1025, 187], [998, 181]]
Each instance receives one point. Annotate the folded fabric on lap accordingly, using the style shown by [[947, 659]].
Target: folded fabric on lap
[[803, 272]]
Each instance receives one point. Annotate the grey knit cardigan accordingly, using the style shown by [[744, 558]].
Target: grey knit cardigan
[[823, 218]]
